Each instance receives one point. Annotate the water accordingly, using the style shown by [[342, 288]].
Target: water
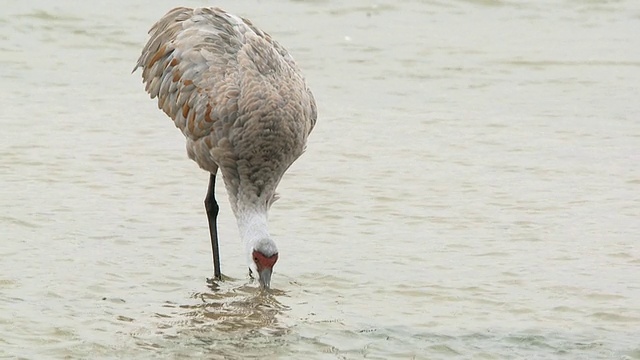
[[471, 189]]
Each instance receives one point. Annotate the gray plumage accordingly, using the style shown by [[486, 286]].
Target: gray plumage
[[237, 96]]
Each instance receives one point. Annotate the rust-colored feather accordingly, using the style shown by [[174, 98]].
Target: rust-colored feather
[[235, 93]]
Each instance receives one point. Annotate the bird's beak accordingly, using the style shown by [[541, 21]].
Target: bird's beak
[[265, 278]]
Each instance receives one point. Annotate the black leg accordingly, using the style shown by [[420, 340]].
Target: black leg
[[212, 208]]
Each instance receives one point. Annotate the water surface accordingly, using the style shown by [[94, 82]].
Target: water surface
[[471, 189]]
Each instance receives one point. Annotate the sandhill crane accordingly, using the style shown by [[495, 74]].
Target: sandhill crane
[[244, 107]]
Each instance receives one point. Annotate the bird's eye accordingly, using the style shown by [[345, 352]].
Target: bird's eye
[[255, 258]]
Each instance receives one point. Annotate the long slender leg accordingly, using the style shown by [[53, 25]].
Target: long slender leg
[[212, 208]]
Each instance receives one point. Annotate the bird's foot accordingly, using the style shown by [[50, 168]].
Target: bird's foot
[[213, 283]]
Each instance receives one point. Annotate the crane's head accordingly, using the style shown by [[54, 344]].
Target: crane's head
[[263, 257]]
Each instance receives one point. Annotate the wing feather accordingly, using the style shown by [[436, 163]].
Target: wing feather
[[222, 81]]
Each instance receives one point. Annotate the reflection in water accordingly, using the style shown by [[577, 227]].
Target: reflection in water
[[232, 319], [236, 308]]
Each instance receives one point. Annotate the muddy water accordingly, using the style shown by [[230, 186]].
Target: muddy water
[[470, 191]]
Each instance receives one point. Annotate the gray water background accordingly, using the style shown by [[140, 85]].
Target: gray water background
[[471, 189]]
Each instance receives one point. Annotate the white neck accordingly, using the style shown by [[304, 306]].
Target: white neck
[[252, 224]]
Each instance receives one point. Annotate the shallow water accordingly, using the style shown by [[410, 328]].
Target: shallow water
[[470, 191]]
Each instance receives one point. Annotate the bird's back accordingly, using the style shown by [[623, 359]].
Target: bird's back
[[234, 92]]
